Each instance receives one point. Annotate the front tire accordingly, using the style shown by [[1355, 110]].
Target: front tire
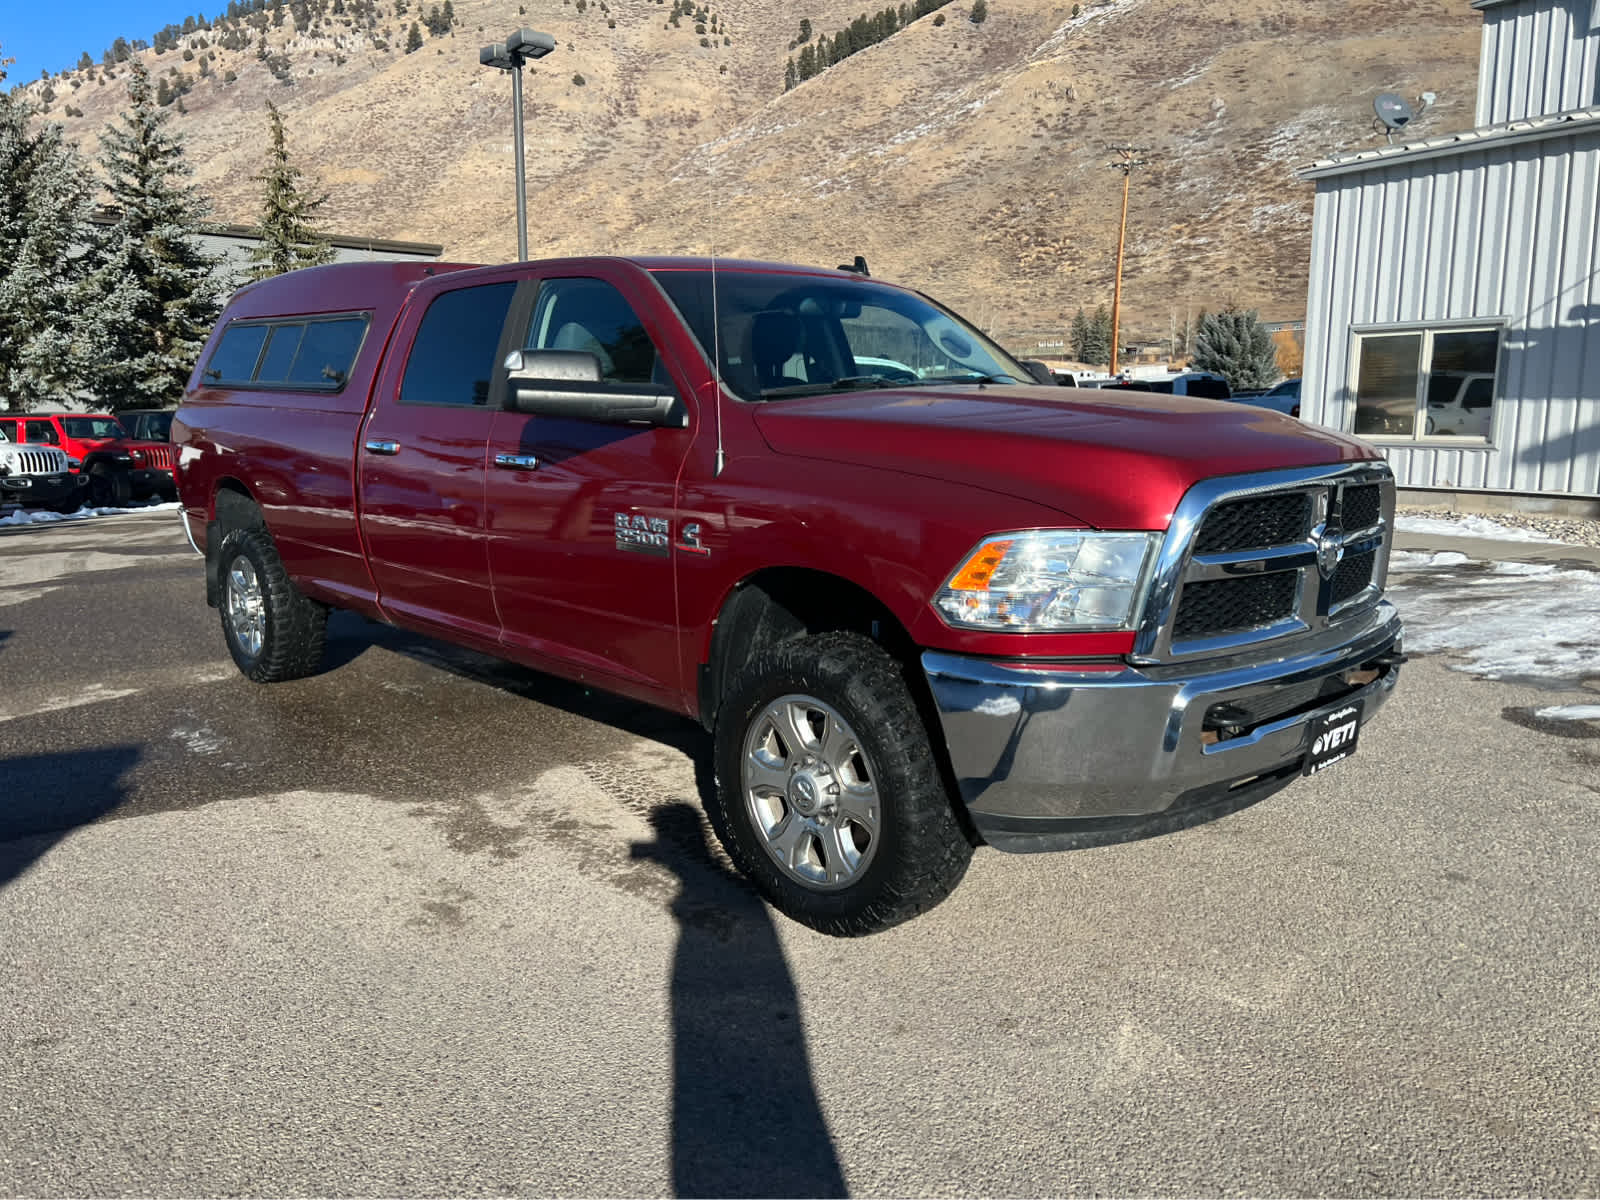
[[274, 632], [109, 487], [828, 794]]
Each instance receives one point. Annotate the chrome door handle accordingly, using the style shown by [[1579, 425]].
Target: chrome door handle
[[379, 447], [516, 462]]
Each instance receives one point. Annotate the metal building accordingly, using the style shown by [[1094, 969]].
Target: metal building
[[1453, 317]]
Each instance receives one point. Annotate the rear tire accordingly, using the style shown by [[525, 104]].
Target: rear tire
[[274, 632], [828, 794]]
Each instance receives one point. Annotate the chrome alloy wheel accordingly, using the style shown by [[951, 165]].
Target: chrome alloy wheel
[[245, 606], [811, 793]]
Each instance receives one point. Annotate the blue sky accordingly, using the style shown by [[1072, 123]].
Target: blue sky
[[48, 35]]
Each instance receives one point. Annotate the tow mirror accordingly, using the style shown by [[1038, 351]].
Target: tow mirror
[[1040, 372], [568, 383]]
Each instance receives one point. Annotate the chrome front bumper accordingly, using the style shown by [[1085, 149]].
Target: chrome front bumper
[[1052, 759]]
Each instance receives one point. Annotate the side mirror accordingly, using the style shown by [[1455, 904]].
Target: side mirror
[[568, 383], [1040, 372]]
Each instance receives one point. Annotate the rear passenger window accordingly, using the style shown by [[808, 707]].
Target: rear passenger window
[[307, 354], [234, 360], [327, 352], [453, 357]]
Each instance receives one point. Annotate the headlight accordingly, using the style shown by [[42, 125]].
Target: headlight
[[1049, 580]]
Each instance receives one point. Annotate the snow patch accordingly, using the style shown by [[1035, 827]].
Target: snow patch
[[1514, 623], [1471, 526], [1414, 560], [30, 516], [1569, 712], [198, 740]]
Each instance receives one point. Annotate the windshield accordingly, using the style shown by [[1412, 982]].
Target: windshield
[[782, 335], [91, 428]]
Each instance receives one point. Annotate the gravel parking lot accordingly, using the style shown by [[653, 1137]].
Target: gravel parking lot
[[427, 924]]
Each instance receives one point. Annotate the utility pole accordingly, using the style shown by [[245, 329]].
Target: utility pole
[[1127, 160]]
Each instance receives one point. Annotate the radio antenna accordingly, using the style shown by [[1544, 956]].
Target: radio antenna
[[716, 361]]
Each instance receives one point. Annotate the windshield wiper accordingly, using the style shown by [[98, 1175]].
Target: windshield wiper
[[974, 377], [846, 383]]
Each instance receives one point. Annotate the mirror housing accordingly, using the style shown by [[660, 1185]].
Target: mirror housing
[[1040, 372], [568, 383]]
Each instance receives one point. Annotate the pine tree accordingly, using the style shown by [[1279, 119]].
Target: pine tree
[[789, 77], [979, 13], [414, 38], [44, 198], [288, 241], [1099, 346], [1235, 345], [151, 297], [1080, 337]]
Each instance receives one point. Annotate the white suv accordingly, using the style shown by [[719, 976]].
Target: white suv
[[38, 477]]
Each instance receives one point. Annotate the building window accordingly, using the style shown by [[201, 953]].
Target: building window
[[1416, 384]]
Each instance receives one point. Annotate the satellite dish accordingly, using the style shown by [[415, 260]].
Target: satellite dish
[[1393, 111]]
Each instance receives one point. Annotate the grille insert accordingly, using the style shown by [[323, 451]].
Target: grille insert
[[1220, 606], [1256, 522], [1353, 575], [1362, 507]]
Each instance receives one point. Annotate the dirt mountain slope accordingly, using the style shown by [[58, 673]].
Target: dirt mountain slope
[[966, 159]]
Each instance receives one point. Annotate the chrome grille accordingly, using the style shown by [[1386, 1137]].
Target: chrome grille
[[28, 460], [1253, 558]]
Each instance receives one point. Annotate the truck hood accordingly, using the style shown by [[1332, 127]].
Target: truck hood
[[1111, 460]]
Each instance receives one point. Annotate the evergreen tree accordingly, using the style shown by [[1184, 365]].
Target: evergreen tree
[[979, 13], [1235, 345], [1081, 345], [44, 198], [1099, 345], [789, 77], [287, 240], [151, 298], [414, 38]]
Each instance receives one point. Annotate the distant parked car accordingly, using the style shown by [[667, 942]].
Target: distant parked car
[[1201, 384], [147, 424], [1284, 398], [119, 468]]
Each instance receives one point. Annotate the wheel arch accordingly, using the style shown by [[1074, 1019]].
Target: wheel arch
[[776, 604], [232, 506]]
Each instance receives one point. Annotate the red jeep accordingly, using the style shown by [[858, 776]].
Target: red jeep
[[119, 468]]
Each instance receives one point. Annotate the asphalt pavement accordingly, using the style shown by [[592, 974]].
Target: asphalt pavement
[[428, 924]]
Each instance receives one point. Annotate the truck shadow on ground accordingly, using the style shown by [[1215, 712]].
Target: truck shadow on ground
[[45, 796], [746, 1120]]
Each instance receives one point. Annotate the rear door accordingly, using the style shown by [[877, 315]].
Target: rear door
[[420, 460], [583, 524]]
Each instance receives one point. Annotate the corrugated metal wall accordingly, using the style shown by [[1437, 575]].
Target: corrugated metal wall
[[1507, 232], [1537, 58]]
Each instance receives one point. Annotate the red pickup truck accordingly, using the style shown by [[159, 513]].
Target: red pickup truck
[[920, 604]]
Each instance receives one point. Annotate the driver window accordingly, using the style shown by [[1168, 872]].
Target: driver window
[[42, 431], [590, 315]]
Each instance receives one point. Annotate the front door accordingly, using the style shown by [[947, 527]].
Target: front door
[[582, 518], [420, 463]]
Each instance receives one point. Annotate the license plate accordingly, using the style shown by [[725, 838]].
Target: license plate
[[1332, 737]]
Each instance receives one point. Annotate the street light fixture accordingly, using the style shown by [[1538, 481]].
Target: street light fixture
[[523, 45]]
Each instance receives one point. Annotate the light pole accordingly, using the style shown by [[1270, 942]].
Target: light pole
[[1125, 163], [523, 45]]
